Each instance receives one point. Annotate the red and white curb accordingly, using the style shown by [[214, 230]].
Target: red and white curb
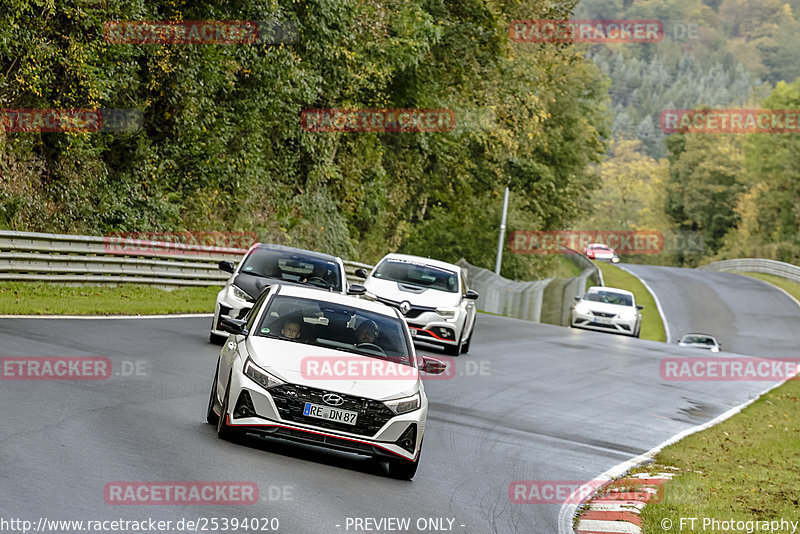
[[616, 507]]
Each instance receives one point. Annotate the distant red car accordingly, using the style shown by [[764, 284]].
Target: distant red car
[[599, 251]]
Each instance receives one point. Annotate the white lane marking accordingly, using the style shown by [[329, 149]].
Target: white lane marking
[[617, 506], [594, 525], [568, 509], [773, 287], [174, 316], [667, 333]]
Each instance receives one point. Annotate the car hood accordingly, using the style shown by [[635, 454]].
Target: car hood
[[398, 292], [605, 307], [284, 359], [251, 284]]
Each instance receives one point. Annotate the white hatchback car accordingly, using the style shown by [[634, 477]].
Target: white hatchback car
[[700, 341], [324, 369], [263, 265], [609, 310], [433, 296]]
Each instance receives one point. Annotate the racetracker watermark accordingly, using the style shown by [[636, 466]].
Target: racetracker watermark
[[179, 243], [24, 120], [361, 368], [552, 242], [378, 120], [728, 369], [577, 491], [586, 31], [730, 121], [170, 32], [181, 493], [55, 368]]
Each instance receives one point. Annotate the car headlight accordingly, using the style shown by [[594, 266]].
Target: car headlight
[[582, 308], [260, 376], [449, 314], [404, 405], [238, 293], [627, 316]]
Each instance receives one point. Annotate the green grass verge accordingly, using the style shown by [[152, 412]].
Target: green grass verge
[[652, 325], [745, 468], [566, 268], [793, 288], [42, 298]]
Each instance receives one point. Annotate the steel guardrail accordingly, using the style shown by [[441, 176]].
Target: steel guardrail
[[76, 259], [756, 265]]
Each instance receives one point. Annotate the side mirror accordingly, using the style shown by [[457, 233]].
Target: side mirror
[[432, 366], [356, 289], [577, 298], [639, 307], [233, 326], [227, 266], [361, 273], [471, 294]]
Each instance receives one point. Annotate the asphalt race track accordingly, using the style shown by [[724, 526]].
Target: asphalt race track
[[529, 402], [748, 316]]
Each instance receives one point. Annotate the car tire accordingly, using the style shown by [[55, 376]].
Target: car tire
[[465, 346], [453, 350], [224, 430], [216, 339], [403, 469], [211, 415], [638, 330]]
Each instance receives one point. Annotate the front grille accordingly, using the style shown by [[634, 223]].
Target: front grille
[[329, 441], [413, 312], [603, 314], [290, 399]]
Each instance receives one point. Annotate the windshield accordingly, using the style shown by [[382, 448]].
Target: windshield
[[417, 274], [336, 326], [609, 298], [292, 266], [698, 340]]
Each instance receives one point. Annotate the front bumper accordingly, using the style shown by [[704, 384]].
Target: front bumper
[[603, 324], [430, 327], [273, 413]]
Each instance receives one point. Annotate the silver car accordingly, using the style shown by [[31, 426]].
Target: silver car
[[264, 265], [700, 341]]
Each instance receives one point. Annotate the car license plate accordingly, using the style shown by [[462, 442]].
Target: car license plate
[[603, 320], [331, 414]]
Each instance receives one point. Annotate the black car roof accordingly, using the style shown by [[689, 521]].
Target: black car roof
[[311, 253]]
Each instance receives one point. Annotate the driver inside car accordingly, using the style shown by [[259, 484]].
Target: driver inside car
[[367, 332], [291, 329]]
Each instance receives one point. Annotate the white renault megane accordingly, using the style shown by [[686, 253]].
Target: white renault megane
[[325, 369]]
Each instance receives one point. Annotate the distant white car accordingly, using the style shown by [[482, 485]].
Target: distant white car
[[432, 295], [700, 341], [599, 251], [609, 310]]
